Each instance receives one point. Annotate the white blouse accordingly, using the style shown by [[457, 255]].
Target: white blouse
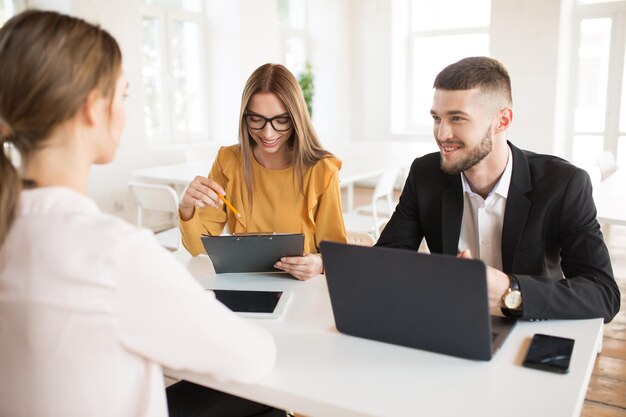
[[92, 307]]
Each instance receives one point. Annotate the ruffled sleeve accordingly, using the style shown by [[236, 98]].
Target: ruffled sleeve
[[323, 202]]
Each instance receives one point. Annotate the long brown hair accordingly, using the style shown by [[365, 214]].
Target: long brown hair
[[306, 147], [49, 63]]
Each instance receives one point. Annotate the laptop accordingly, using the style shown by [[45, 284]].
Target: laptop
[[251, 252], [433, 302]]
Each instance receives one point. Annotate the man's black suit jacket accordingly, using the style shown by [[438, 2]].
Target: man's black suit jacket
[[549, 232]]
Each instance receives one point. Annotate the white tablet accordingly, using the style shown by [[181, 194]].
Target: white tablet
[[253, 303]]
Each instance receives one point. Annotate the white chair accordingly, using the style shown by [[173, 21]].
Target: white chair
[[161, 198], [607, 164], [594, 173], [360, 238], [371, 223]]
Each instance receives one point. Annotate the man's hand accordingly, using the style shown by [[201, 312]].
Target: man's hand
[[497, 282], [302, 267]]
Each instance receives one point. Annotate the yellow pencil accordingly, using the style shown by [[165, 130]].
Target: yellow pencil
[[230, 206]]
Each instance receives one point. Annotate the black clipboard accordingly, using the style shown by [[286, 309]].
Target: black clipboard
[[251, 252]]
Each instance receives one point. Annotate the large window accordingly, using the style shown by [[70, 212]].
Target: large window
[[435, 34], [173, 71], [293, 17], [598, 111]]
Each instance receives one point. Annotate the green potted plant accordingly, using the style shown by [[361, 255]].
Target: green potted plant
[[305, 78]]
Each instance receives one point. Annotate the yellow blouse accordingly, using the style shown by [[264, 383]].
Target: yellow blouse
[[279, 206]]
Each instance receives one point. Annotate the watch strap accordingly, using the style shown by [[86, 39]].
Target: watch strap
[[513, 286]]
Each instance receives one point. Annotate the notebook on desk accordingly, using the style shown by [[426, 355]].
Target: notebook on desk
[[251, 252], [437, 303]]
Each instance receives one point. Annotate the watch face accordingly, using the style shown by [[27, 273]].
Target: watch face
[[513, 300]]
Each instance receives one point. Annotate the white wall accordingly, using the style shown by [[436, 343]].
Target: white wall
[[329, 41], [108, 182], [237, 45], [120, 18], [350, 50], [262, 42], [225, 73], [371, 69], [563, 82], [524, 36]]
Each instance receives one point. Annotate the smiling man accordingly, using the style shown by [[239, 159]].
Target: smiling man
[[530, 217]]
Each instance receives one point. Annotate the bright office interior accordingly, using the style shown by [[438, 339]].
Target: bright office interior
[[373, 63]]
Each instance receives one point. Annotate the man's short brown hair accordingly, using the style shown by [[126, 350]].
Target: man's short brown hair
[[481, 72]]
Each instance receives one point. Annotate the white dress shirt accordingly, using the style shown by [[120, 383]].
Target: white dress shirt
[[481, 228], [92, 307]]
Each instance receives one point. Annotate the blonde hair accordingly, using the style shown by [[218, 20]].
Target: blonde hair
[[306, 147], [49, 63]]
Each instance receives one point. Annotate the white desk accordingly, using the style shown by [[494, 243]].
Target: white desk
[[179, 174], [320, 372], [610, 198], [361, 161]]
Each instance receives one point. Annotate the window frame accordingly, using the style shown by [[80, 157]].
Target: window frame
[[616, 11], [408, 125], [412, 126]]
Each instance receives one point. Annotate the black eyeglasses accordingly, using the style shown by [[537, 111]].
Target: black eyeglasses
[[279, 123]]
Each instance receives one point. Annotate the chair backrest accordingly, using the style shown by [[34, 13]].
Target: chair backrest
[[384, 189], [152, 197], [360, 238], [607, 164], [385, 183]]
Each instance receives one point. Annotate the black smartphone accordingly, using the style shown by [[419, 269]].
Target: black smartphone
[[549, 353]]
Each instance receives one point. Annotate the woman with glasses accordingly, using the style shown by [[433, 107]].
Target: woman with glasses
[[278, 177]]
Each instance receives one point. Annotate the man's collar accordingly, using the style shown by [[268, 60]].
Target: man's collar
[[502, 186]]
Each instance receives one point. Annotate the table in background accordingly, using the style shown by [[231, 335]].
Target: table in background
[[320, 372], [610, 198], [361, 161]]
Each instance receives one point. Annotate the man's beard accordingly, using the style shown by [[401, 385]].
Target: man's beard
[[475, 156]]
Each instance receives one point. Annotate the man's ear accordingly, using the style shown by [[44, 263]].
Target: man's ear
[[505, 118], [92, 108]]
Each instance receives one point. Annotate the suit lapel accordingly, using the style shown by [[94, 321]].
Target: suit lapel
[[451, 214], [517, 208]]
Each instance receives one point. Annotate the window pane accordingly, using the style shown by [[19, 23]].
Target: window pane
[[6, 10], [449, 14], [292, 13], [430, 56], [151, 76], [586, 149], [295, 58], [189, 5], [593, 64], [187, 80]]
